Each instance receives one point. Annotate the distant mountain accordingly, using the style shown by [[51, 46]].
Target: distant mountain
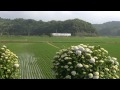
[[108, 29]]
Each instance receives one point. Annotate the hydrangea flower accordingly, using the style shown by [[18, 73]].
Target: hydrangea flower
[[9, 66], [78, 52], [73, 73], [95, 77], [16, 65], [66, 66], [81, 48], [79, 65], [68, 77], [96, 73], [90, 75], [92, 60], [85, 62], [86, 66], [69, 63]]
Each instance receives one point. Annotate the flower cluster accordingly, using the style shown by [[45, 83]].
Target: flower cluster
[[85, 62], [9, 65]]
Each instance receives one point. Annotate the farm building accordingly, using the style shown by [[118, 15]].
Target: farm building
[[61, 34]]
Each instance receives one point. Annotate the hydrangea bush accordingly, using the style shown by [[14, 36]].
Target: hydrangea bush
[[9, 66], [85, 62]]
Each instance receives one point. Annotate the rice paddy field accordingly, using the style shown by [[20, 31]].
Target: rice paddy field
[[36, 53]]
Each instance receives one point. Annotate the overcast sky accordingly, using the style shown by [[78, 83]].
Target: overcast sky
[[94, 17]]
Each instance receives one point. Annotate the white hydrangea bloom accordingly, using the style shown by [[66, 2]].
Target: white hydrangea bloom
[[101, 61], [79, 65], [69, 63], [84, 72], [57, 52], [91, 47], [116, 76], [91, 57], [90, 75], [3, 54], [6, 57], [81, 44], [72, 47], [56, 56], [102, 49], [95, 57], [106, 69], [75, 48], [8, 70], [88, 55], [66, 58], [4, 46], [87, 50], [16, 65], [102, 73], [96, 73], [73, 73], [78, 52], [92, 60], [84, 46], [8, 60], [117, 63], [99, 50], [114, 71], [81, 48], [86, 66], [95, 77], [106, 51], [66, 66], [114, 58], [68, 69], [70, 52], [68, 77], [112, 61], [115, 67], [91, 70], [64, 55]]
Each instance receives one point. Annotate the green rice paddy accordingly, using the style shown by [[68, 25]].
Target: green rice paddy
[[36, 53]]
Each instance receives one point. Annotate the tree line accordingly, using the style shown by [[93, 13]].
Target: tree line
[[29, 27], [111, 28]]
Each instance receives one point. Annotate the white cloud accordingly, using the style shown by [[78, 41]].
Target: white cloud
[[89, 16]]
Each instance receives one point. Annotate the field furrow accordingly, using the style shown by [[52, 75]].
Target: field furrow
[[36, 55]]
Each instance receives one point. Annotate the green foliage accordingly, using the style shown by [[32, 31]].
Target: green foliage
[[29, 27], [108, 28], [9, 66], [85, 62]]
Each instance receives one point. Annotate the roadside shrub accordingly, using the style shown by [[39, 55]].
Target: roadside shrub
[[85, 62], [9, 66]]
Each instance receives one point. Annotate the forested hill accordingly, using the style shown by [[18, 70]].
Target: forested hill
[[29, 27], [108, 29]]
